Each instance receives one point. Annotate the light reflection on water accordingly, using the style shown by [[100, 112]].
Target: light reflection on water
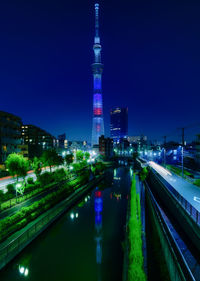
[[84, 244]]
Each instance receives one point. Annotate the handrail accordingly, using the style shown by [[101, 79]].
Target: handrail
[[193, 212], [171, 241]]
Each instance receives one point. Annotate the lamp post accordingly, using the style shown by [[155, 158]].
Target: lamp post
[[164, 156]]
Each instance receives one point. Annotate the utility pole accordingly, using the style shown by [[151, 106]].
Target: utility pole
[[182, 154], [182, 162], [165, 141], [183, 136]]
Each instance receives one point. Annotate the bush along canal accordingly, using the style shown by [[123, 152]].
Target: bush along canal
[[85, 243], [133, 246]]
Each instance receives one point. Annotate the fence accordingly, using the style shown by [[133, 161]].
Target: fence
[[191, 210], [177, 266]]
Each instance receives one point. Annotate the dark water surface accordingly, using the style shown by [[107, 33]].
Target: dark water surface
[[85, 244]]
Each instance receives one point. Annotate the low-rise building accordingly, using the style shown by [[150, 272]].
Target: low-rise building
[[10, 134], [106, 147]]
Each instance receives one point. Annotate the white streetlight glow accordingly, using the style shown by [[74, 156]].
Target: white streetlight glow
[[72, 216]]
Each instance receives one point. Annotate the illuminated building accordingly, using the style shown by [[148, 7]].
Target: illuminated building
[[77, 145], [10, 134], [97, 69], [137, 139], [118, 123]]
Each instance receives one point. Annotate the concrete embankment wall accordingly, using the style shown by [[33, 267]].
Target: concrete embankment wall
[[177, 268], [19, 240], [176, 211]]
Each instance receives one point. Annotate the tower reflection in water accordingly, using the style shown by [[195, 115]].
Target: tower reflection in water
[[98, 206]]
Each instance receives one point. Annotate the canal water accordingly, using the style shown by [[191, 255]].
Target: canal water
[[85, 244]]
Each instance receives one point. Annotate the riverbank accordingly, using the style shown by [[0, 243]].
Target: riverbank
[[20, 239]]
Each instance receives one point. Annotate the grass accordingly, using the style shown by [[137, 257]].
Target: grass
[[135, 269], [178, 171], [197, 182]]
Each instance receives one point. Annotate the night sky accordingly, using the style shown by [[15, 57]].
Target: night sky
[[150, 52]]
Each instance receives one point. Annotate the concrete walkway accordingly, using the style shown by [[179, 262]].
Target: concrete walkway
[[187, 190]]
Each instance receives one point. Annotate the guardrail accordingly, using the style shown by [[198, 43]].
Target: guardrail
[[191, 210], [36, 227], [181, 271]]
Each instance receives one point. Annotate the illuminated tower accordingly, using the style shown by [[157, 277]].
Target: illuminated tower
[[97, 69]]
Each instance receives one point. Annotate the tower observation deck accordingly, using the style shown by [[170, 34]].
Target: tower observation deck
[[97, 69]]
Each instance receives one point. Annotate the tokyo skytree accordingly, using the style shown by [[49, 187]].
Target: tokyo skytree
[[97, 69]]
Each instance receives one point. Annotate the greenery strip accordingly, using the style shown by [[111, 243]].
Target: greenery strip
[[135, 268]]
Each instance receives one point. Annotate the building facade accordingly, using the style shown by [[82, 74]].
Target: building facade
[[97, 69], [62, 142], [10, 134], [106, 147], [37, 140], [118, 123]]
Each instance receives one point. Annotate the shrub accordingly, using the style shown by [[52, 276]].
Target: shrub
[[11, 189], [59, 175], [1, 196], [135, 269], [29, 188], [30, 180], [27, 214], [46, 178], [197, 182]]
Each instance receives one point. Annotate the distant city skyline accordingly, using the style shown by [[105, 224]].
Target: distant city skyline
[[151, 64]]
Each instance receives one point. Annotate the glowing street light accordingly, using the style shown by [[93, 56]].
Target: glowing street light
[[24, 271], [72, 216]]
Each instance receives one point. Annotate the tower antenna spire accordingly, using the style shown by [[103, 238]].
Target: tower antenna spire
[[97, 38]]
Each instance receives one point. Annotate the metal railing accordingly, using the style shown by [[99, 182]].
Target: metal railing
[[191, 210], [183, 271]]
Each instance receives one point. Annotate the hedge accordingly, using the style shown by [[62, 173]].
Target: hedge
[[135, 268], [15, 222]]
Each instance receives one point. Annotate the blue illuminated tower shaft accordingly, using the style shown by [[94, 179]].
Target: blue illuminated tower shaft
[[97, 69]]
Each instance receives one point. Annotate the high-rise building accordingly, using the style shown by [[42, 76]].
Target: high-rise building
[[61, 141], [10, 134], [97, 69], [119, 123]]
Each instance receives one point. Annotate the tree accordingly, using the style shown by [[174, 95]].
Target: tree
[[69, 159], [37, 166], [17, 165], [79, 155], [135, 155], [143, 174], [87, 155], [50, 158], [1, 196], [59, 160]]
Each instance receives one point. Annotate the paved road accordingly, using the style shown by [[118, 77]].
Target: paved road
[[9, 180], [12, 210], [189, 191]]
